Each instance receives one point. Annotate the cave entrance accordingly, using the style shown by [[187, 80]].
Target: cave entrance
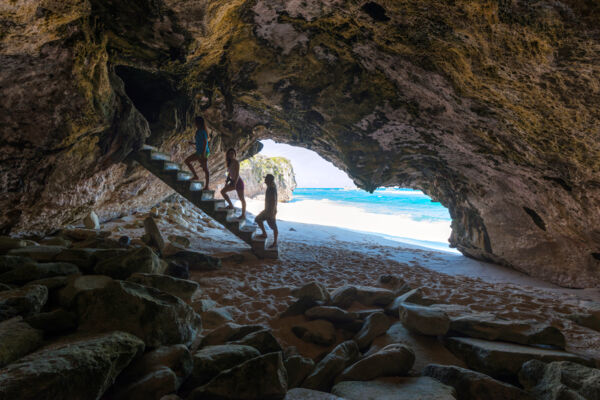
[[325, 196]]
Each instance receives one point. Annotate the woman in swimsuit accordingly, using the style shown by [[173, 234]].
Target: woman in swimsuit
[[202, 151], [234, 182]]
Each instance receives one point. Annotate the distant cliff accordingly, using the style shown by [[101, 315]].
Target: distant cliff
[[253, 171]]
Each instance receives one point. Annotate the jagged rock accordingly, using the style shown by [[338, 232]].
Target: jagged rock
[[142, 260], [211, 360], [331, 366], [154, 234], [215, 317], [313, 291], [375, 325], [91, 221], [471, 385], [78, 284], [318, 331], [300, 306], [229, 332], [33, 271], [155, 385], [24, 301], [54, 322], [262, 340], [424, 320], [182, 288], [297, 368], [307, 394], [400, 389], [7, 243], [156, 317], [523, 332], [332, 314], [195, 261], [38, 253], [86, 366], [262, 377], [17, 339], [392, 360], [414, 296], [560, 380], [503, 360]]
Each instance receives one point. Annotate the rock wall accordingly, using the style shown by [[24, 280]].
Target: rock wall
[[491, 107], [253, 171]]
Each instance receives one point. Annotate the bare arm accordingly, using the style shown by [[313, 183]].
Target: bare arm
[[234, 171]]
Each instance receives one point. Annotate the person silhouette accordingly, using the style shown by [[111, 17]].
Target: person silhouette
[[234, 181], [202, 151], [270, 211]]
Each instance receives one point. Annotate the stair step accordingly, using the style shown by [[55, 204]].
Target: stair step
[[147, 147], [171, 166], [209, 195], [196, 186], [184, 176], [157, 155]]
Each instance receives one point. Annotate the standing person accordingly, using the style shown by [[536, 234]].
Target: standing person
[[268, 214], [234, 181], [202, 151]]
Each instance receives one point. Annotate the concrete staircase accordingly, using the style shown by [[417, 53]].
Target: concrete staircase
[[170, 172]]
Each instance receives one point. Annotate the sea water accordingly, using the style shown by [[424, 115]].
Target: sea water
[[403, 215]]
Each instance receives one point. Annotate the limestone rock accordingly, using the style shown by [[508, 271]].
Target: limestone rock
[[55, 322], [229, 332], [86, 366], [182, 288], [262, 340], [375, 325], [400, 389], [331, 314], [307, 394], [297, 368], [84, 258], [254, 169], [392, 360], [91, 221], [344, 296], [523, 332], [156, 317], [176, 358], [414, 296], [211, 360], [24, 301], [300, 306], [34, 271], [195, 261], [504, 360], [215, 317], [155, 385], [331, 366], [314, 291], [8, 243], [471, 385], [560, 380], [424, 320], [142, 259], [368, 296], [38, 253], [78, 284], [8, 263], [154, 234], [590, 319], [180, 240], [318, 331], [17, 339], [56, 241], [262, 377]]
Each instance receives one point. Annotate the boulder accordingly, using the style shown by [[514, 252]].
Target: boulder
[[84, 234], [424, 320], [260, 378], [471, 385], [33, 271], [155, 385], [156, 317], [589, 319], [307, 394], [203, 305], [523, 332], [84, 258], [300, 306], [177, 270], [83, 368], [17, 339], [56, 241], [325, 372], [91, 221], [8, 263], [182, 288], [229, 332], [375, 325], [297, 368], [320, 332], [262, 340], [392, 360], [55, 322], [215, 317], [154, 234], [4, 287], [195, 261], [313, 291], [504, 360], [211, 360], [344, 296], [399, 389], [78, 284], [414, 296], [8, 243], [24, 301], [141, 259], [180, 240], [38, 253], [560, 380], [330, 313]]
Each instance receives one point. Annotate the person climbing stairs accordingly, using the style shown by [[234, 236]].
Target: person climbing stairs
[[161, 166]]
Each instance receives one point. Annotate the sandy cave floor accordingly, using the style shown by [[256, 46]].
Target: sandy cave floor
[[257, 291]]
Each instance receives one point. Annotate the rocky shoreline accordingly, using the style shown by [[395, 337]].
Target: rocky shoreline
[[137, 312]]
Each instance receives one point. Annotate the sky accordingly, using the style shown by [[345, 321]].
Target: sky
[[312, 171]]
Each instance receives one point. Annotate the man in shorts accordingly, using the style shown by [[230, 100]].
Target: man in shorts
[[268, 214]]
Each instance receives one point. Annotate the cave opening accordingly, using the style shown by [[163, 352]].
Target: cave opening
[[318, 193]]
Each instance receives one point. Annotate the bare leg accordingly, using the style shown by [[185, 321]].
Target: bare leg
[[275, 234], [204, 165], [261, 225], [188, 162], [240, 194], [226, 197]]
